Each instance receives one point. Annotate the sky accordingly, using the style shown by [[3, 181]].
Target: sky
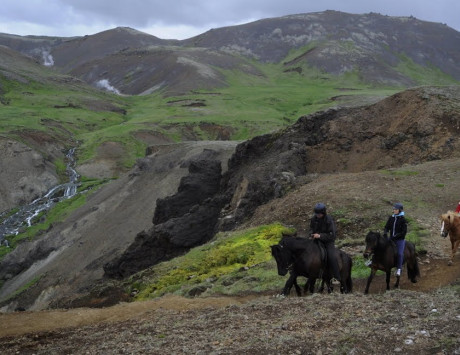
[[181, 19]]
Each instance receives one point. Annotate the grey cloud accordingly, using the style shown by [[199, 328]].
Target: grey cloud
[[206, 13]]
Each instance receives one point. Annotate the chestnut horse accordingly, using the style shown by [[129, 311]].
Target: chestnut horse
[[451, 225]]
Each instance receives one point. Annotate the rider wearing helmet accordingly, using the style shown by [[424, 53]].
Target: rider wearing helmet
[[397, 226], [322, 228]]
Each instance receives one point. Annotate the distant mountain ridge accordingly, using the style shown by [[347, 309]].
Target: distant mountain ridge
[[380, 49]]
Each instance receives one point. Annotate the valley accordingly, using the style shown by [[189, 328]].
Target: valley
[[197, 156]]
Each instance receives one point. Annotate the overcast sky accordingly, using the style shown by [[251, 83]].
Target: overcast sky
[[180, 19]]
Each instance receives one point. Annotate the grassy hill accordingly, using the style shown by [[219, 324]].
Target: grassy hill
[[36, 98]]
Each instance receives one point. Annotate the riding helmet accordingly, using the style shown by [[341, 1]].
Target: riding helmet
[[320, 208], [398, 206]]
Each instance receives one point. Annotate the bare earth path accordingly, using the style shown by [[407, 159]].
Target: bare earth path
[[435, 274]]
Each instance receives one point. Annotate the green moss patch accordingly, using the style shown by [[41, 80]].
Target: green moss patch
[[229, 264]]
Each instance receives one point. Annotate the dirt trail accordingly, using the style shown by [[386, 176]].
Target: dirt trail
[[18, 323], [435, 273]]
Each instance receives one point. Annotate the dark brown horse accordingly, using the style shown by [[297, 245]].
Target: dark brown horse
[[305, 257], [383, 256], [451, 226]]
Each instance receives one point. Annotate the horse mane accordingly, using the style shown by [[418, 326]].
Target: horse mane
[[450, 215], [381, 240]]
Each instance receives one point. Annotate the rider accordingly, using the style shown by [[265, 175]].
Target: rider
[[397, 226], [322, 228]]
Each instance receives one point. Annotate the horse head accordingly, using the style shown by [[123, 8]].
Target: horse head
[[372, 242], [446, 223], [283, 257]]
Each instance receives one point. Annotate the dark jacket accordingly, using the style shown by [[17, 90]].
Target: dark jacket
[[323, 226], [397, 226]]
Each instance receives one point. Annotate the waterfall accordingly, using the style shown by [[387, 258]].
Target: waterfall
[[26, 214]]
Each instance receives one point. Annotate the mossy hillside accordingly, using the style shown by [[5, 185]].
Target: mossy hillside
[[423, 75], [233, 262], [247, 106], [250, 105], [33, 105]]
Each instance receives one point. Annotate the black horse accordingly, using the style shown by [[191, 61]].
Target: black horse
[[307, 258], [383, 255]]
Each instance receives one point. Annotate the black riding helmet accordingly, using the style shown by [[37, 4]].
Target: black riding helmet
[[398, 206], [320, 208]]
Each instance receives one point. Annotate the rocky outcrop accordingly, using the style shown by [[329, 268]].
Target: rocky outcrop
[[25, 174], [182, 221], [261, 169], [201, 183]]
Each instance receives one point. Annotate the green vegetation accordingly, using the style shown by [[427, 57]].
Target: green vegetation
[[90, 184], [61, 169], [249, 105], [233, 262], [423, 75]]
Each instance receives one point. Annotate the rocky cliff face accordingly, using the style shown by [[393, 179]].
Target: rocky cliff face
[[68, 259], [411, 127], [181, 221], [25, 174], [113, 232]]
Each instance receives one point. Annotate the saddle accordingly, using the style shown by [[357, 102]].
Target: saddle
[[323, 251]]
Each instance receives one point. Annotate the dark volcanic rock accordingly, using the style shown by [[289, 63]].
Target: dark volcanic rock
[[181, 221], [269, 166], [261, 169], [202, 183]]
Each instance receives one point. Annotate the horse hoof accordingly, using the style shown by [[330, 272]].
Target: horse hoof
[[449, 263]]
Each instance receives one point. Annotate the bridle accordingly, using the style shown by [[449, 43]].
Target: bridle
[[289, 266]]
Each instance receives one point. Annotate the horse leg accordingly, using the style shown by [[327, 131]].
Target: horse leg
[[387, 279], [330, 288], [321, 287], [288, 285], [297, 288], [312, 282], [306, 286], [455, 245], [369, 280]]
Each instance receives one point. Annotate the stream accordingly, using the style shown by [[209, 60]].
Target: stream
[[23, 218]]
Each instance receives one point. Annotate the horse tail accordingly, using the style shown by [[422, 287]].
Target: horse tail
[[347, 264], [413, 269], [349, 281]]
